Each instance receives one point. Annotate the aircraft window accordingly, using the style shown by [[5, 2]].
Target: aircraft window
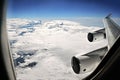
[[49, 39]]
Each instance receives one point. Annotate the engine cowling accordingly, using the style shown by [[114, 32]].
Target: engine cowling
[[87, 62], [96, 35], [84, 64]]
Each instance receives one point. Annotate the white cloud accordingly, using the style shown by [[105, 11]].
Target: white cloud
[[45, 53]]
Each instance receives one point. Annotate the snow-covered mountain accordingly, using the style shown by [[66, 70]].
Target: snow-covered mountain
[[43, 51]]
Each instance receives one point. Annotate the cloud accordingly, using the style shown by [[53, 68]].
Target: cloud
[[46, 52]]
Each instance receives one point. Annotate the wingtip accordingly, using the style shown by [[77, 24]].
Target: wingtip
[[109, 15]]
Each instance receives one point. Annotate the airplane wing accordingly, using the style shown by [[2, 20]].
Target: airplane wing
[[112, 30], [88, 62]]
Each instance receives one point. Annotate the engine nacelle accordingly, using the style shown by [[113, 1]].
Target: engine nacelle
[[87, 62], [96, 35], [84, 64]]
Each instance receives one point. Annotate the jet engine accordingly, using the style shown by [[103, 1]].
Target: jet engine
[[87, 62], [96, 35], [83, 64]]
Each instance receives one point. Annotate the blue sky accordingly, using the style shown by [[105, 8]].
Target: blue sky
[[62, 8]]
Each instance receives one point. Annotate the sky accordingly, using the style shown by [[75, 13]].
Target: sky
[[62, 8]]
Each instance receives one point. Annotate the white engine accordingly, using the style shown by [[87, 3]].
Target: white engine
[[87, 62], [96, 35], [83, 64]]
